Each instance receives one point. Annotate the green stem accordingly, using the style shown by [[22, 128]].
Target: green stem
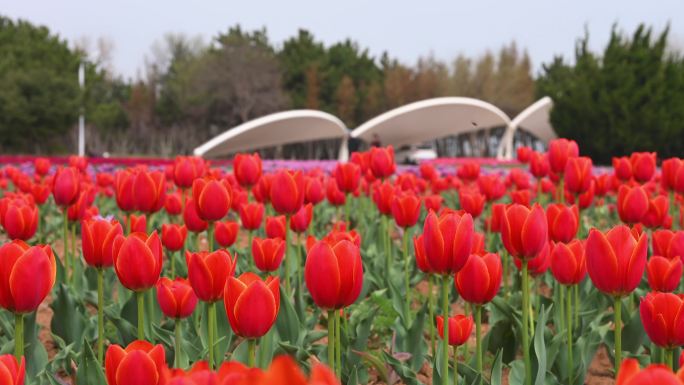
[[177, 343], [211, 318], [456, 364], [506, 272], [445, 340], [140, 296], [288, 261], [526, 315], [466, 353], [18, 336], [251, 344], [577, 304], [478, 339], [669, 361], [210, 236], [561, 189], [65, 239], [561, 300], [100, 315], [407, 275], [431, 313], [338, 345], [250, 237], [385, 238], [347, 216], [618, 333], [568, 315], [331, 339], [300, 269], [172, 256]]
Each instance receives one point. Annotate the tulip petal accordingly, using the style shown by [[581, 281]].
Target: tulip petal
[[255, 310]]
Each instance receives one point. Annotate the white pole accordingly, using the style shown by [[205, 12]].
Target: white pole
[[81, 118]]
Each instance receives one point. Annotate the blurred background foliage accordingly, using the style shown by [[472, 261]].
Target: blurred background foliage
[[627, 98]]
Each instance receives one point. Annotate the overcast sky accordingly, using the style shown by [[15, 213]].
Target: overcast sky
[[406, 29]]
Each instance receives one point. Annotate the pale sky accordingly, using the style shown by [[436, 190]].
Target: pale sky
[[406, 29]]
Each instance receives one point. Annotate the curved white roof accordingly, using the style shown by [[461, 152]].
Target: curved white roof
[[534, 119], [273, 130], [431, 119]]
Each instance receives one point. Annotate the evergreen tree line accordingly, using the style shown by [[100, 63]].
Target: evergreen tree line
[[629, 98]]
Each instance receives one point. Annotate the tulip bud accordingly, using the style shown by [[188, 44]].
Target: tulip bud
[[251, 304], [176, 298], [146, 361], [460, 328], [479, 280], [208, 272], [97, 241]]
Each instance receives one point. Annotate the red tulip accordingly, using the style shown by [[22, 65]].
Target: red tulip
[[524, 153], [28, 274], [419, 251], [560, 150], [212, 198], [383, 194], [468, 171], [252, 215], [19, 217], [97, 241], [226, 233], [299, 222], [335, 196], [658, 213], [192, 219], [428, 171], [460, 329], [655, 374], [138, 223], [268, 253], [491, 187], [563, 222], [643, 165], [123, 189], [493, 223], [262, 190], [632, 203], [347, 176], [334, 274], [247, 169], [623, 168], [568, 263], [433, 202], [149, 191], [381, 161], [140, 363], [616, 259], [40, 192], [539, 165], [77, 211], [239, 198], [14, 373], [252, 305], [539, 264], [578, 174], [176, 298], [480, 278], [66, 186], [313, 190], [137, 260], [208, 272], [78, 162], [186, 169], [662, 315], [524, 230], [173, 236], [405, 209], [664, 274], [448, 241], [672, 178], [41, 166], [518, 178], [287, 191], [669, 244], [275, 227], [472, 202], [173, 204]]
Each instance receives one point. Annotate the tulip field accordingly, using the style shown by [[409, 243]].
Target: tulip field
[[547, 270]]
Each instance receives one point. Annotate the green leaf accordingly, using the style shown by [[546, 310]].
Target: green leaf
[[540, 347], [403, 370], [496, 378], [287, 322], [89, 370], [68, 320]]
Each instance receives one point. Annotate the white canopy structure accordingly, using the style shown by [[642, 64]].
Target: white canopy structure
[[431, 119], [535, 119], [277, 129]]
